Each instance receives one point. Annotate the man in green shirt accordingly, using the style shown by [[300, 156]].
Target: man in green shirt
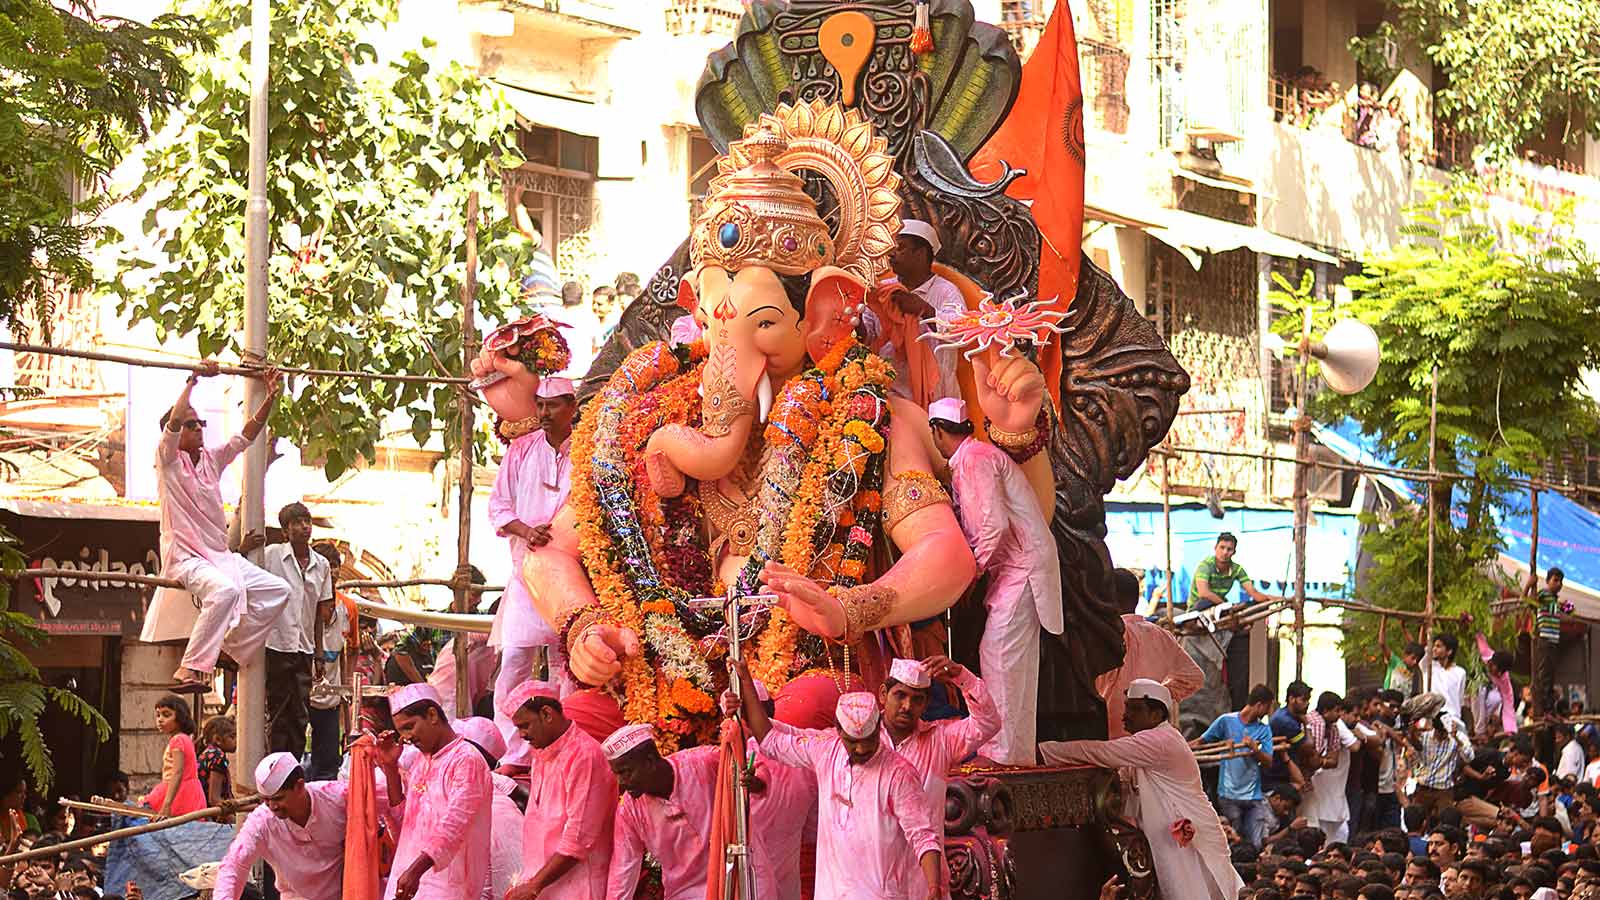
[[1547, 629], [1217, 575]]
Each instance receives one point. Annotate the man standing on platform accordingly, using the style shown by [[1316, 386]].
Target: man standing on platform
[[666, 811], [1011, 542], [292, 642], [528, 491], [874, 830], [572, 800], [933, 748], [443, 849], [935, 297], [1217, 575], [1150, 651], [1186, 841], [298, 830], [1444, 677], [238, 601]]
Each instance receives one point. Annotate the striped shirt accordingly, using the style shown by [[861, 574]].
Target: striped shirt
[[1440, 757], [1547, 616]]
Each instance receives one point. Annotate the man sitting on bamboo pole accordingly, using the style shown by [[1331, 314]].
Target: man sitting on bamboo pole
[[238, 602]]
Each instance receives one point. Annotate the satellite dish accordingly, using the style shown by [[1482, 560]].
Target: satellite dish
[[1349, 354]]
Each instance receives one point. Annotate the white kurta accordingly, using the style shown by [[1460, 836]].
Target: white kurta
[[1166, 789], [1011, 542], [1326, 806], [530, 487], [505, 839]]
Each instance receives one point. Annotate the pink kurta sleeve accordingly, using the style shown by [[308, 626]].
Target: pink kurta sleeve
[[1183, 676], [167, 447], [1146, 749], [588, 778], [242, 854], [627, 854], [795, 746], [467, 789], [908, 804], [963, 736], [228, 452], [503, 499], [982, 520]]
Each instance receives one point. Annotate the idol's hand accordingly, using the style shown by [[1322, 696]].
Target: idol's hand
[[1010, 390], [598, 653], [807, 602]]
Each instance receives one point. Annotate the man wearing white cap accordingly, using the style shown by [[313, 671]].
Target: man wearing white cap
[[1011, 541], [874, 830], [298, 830], [1186, 841], [666, 812], [572, 800], [528, 491], [915, 251], [444, 805], [783, 805], [933, 748]]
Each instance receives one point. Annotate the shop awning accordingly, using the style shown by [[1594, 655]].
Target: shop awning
[[1192, 234], [552, 111]]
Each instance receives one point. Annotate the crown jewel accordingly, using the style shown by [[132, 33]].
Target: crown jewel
[[760, 215]]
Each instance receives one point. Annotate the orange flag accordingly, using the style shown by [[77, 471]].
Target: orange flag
[[724, 817], [361, 858], [1043, 134]]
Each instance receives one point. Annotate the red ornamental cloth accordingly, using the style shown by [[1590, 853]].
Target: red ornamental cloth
[[724, 823], [593, 710], [1043, 134], [361, 855]]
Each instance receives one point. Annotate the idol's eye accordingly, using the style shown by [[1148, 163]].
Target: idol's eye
[[765, 323]]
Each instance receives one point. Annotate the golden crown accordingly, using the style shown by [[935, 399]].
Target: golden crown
[[761, 216], [758, 214]]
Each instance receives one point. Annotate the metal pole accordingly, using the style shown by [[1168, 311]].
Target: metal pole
[[1166, 525], [1536, 648], [252, 671], [1433, 488], [741, 799], [1302, 499], [469, 340]]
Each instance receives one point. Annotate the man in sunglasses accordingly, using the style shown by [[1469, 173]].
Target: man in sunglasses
[[237, 601]]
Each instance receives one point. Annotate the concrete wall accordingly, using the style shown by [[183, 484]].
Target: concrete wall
[[139, 745]]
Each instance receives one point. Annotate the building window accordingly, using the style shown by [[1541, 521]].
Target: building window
[[560, 149], [1166, 70], [688, 17], [556, 186], [702, 168]]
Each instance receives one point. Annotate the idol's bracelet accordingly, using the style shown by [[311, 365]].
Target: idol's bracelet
[[1022, 445], [865, 608], [578, 624]]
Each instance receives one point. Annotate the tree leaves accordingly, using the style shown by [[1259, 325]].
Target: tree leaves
[[370, 164]]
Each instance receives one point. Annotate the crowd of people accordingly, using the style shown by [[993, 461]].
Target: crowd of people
[[1309, 100]]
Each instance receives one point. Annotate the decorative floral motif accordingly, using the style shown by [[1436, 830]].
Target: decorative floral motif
[[1000, 324]]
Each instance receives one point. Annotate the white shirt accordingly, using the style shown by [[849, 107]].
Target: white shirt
[[294, 629], [1449, 683], [945, 298], [1572, 760], [1000, 517], [1327, 801]]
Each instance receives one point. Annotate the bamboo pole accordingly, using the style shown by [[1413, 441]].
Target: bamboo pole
[[1433, 449], [1166, 526], [161, 581], [469, 622], [1536, 648], [469, 339], [225, 808], [246, 369], [1302, 498]]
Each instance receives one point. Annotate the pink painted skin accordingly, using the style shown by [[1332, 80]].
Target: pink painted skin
[[748, 313], [514, 397]]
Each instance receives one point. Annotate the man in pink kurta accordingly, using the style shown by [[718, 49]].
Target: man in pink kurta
[[666, 812], [298, 830], [783, 804], [1187, 846], [933, 748], [443, 806], [528, 492], [237, 601], [1151, 652], [572, 801], [1012, 544], [874, 830]]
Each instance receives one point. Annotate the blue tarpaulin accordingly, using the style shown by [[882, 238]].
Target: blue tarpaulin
[[1569, 533], [155, 860], [1266, 546]]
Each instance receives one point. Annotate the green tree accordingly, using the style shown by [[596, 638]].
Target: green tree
[[1513, 65], [370, 165], [23, 696], [1509, 317], [77, 87]]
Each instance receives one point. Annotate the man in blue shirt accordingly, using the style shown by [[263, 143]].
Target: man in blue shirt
[[1239, 794], [1288, 723]]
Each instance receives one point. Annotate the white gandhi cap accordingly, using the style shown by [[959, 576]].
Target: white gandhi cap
[[921, 229], [273, 771]]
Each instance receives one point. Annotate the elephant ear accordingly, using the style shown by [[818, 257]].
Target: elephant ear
[[687, 298], [833, 308]]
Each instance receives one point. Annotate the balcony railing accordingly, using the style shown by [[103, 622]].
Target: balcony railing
[[690, 17], [1366, 121]]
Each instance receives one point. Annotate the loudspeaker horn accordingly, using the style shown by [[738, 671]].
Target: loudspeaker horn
[[1349, 353]]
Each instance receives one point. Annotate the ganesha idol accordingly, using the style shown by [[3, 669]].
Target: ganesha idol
[[766, 457]]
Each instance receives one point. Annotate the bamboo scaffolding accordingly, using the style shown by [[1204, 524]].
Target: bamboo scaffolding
[[225, 808], [160, 581], [463, 598], [247, 369]]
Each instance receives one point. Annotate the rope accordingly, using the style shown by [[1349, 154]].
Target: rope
[[159, 581], [246, 369]]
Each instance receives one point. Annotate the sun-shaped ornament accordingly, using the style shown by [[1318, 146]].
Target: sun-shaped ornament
[[1000, 324]]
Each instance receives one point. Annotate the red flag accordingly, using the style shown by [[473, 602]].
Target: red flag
[[1044, 134], [361, 853]]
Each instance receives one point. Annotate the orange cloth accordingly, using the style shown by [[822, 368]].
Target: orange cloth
[[361, 859], [724, 825], [593, 710], [1043, 134], [913, 358]]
